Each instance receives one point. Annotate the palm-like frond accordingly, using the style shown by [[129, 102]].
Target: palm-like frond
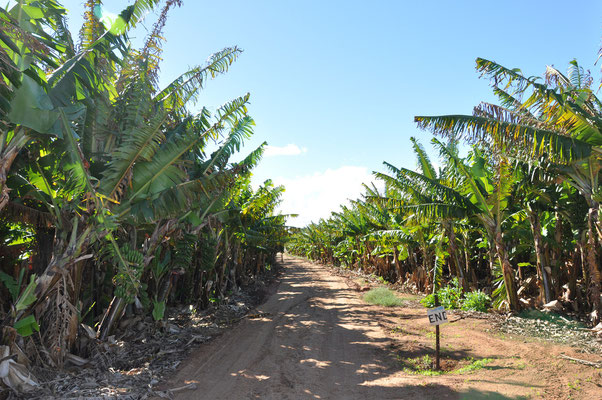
[[476, 188], [163, 171], [509, 101], [139, 9], [192, 195], [242, 130], [493, 111], [404, 187], [523, 139], [140, 144], [441, 211], [399, 235], [573, 106], [431, 187], [186, 87], [424, 163], [252, 159], [78, 77]]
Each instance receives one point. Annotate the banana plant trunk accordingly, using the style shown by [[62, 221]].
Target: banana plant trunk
[[573, 267], [66, 254], [474, 281], [594, 272], [223, 276], [115, 310], [544, 283], [111, 317], [4, 189], [556, 258], [412, 260], [238, 272], [582, 247], [453, 252], [7, 157], [398, 265], [507, 272]]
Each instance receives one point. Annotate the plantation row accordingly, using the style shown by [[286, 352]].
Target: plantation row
[[114, 197], [513, 208]]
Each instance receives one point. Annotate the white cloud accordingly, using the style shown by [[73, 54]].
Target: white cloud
[[316, 196], [288, 150]]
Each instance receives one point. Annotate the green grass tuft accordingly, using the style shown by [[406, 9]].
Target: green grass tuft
[[474, 366], [383, 297]]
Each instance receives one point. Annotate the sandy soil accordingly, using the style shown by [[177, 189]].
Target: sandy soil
[[315, 338]]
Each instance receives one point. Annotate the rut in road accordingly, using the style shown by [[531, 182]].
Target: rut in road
[[314, 339]]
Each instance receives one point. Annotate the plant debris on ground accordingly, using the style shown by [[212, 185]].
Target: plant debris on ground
[[553, 327], [131, 365]]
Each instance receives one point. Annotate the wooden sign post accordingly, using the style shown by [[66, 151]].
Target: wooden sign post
[[437, 316]]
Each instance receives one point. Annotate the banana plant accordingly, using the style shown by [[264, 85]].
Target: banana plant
[[107, 150], [559, 120], [481, 197]]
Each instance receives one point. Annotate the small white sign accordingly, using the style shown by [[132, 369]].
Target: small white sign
[[437, 315]]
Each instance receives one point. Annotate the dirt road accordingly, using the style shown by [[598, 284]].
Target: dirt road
[[315, 338]]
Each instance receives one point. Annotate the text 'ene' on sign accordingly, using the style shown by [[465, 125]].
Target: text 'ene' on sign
[[437, 315]]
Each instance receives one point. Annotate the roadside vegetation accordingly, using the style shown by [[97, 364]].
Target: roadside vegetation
[[115, 197], [383, 297], [424, 366], [508, 213], [452, 297]]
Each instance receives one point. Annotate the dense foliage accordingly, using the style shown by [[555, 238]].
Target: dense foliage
[[114, 197], [516, 216]]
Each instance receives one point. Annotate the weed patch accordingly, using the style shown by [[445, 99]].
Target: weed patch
[[475, 365], [420, 366], [425, 366], [451, 296], [383, 297]]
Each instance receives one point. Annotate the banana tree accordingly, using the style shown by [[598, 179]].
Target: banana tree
[[481, 197], [559, 120], [118, 148], [30, 44], [404, 181]]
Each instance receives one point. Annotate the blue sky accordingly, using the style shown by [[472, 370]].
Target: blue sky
[[335, 84]]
